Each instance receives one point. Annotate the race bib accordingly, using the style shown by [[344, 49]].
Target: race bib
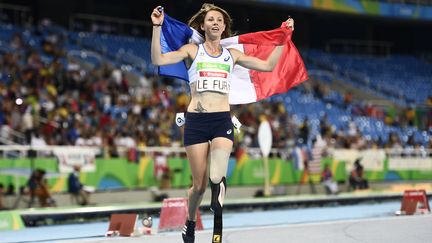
[[213, 77], [214, 84]]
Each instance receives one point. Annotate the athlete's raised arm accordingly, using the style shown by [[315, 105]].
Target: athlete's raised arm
[[256, 63], [157, 57]]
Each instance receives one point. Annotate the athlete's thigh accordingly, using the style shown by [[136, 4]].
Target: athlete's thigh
[[197, 155], [219, 155], [221, 143]]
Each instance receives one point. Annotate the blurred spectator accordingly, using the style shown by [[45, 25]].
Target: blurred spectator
[[319, 90], [96, 139], [34, 63], [319, 149], [165, 180], [352, 128], [158, 195], [76, 189], [304, 131], [357, 179], [410, 115], [429, 101], [303, 157], [327, 180], [27, 124], [125, 140], [4, 132], [52, 43], [10, 190], [37, 140], [1, 197], [325, 127], [16, 41], [394, 142], [38, 188], [83, 139], [348, 99]]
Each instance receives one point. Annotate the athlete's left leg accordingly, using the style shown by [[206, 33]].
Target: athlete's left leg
[[220, 150]]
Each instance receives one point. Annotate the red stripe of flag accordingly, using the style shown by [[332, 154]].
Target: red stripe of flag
[[289, 71]]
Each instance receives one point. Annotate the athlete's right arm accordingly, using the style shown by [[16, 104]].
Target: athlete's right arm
[[157, 57]]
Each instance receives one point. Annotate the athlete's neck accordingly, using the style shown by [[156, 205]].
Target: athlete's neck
[[213, 47]]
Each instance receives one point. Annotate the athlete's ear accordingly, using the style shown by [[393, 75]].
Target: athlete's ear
[[202, 27]]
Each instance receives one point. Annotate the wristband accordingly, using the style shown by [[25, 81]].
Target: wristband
[[157, 24]]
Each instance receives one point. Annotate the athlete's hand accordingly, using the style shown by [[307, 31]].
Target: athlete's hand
[[290, 23], [157, 15]]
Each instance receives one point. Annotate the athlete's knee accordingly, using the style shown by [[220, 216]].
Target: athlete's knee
[[198, 190], [218, 195], [216, 178]]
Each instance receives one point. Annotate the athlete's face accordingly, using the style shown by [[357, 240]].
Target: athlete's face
[[214, 24]]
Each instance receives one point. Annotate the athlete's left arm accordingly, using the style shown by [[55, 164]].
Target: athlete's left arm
[[256, 63]]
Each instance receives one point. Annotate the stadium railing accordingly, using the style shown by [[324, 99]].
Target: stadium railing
[[47, 151]]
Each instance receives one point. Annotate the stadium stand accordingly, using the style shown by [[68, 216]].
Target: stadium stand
[[403, 79], [61, 107]]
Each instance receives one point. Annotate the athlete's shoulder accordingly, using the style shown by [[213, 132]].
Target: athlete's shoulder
[[191, 46], [235, 53], [191, 49]]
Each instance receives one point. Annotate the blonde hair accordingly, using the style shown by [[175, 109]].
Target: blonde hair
[[198, 19]]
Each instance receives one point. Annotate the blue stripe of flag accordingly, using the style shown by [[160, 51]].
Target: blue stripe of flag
[[174, 35]]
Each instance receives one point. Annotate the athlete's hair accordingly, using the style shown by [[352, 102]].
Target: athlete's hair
[[198, 19]]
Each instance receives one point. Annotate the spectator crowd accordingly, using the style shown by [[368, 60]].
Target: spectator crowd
[[54, 99]]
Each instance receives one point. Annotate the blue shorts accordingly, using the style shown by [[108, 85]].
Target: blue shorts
[[204, 127]]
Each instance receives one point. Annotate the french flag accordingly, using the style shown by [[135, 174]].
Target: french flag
[[247, 86]]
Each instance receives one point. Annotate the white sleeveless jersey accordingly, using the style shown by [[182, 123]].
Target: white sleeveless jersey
[[211, 73]]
